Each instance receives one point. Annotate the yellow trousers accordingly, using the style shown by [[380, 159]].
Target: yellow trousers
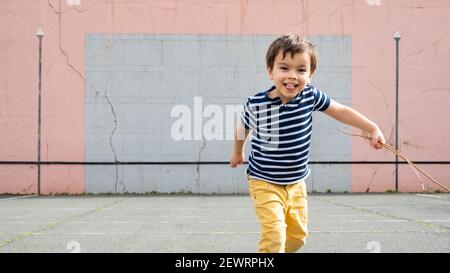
[[282, 213]]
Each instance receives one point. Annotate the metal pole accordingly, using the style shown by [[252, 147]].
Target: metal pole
[[397, 38], [39, 34]]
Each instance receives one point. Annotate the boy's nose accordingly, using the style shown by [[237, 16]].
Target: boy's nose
[[292, 75]]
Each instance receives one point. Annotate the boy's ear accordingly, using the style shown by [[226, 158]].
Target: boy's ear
[[269, 73], [310, 78]]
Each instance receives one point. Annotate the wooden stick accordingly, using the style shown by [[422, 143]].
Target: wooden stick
[[390, 148], [413, 166]]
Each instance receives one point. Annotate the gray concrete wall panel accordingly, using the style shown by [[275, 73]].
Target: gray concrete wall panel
[[133, 81]]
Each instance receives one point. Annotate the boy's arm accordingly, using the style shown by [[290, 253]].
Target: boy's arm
[[352, 117], [237, 155]]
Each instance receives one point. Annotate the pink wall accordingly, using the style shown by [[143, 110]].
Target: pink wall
[[424, 85], [424, 64]]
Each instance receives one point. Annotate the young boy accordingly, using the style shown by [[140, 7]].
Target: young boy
[[280, 122]]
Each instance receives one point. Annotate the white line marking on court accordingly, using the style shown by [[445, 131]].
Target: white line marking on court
[[86, 233], [379, 231], [46, 209], [199, 222], [347, 215], [162, 208], [429, 195], [28, 222], [17, 197], [370, 221], [373, 207], [129, 222], [219, 232], [131, 233]]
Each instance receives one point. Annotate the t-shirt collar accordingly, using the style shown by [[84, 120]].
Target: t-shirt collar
[[276, 99]]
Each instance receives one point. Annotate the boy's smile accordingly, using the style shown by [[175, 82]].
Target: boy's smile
[[290, 75]]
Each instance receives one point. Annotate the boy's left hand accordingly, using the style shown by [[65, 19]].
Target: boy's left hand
[[376, 139]]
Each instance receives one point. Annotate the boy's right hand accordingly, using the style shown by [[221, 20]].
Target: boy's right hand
[[236, 159]]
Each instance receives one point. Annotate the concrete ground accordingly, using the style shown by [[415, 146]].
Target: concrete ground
[[165, 223]]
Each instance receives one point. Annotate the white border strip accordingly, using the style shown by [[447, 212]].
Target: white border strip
[[18, 197], [429, 195]]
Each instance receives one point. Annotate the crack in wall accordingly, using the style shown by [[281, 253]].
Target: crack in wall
[[16, 14], [380, 90], [420, 51], [391, 121], [305, 9], [423, 7], [243, 14], [81, 10], [59, 14], [391, 135], [371, 179], [435, 89], [235, 73], [408, 143], [109, 46], [198, 165], [97, 92], [152, 19], [127, 6], [113, 131], [302, 4], [255, 56], [341, 16]]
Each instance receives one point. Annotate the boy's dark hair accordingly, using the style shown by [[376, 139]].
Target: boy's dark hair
[[293, 44]]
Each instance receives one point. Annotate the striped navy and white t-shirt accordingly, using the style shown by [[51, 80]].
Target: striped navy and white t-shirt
[[281, 134]]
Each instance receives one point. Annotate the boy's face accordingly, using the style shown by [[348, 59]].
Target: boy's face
[[290, 75]]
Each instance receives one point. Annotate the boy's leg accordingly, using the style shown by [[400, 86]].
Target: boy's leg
[[269, 201], [296, 217]]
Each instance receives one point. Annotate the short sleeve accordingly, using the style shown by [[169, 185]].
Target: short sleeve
[[321, 100], [247, 116]]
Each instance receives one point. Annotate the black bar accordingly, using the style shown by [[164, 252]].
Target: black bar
[[39, 119], [209, 163], [397, 40]]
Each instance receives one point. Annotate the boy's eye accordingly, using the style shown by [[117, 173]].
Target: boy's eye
[[302, 70], [283, 68]]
